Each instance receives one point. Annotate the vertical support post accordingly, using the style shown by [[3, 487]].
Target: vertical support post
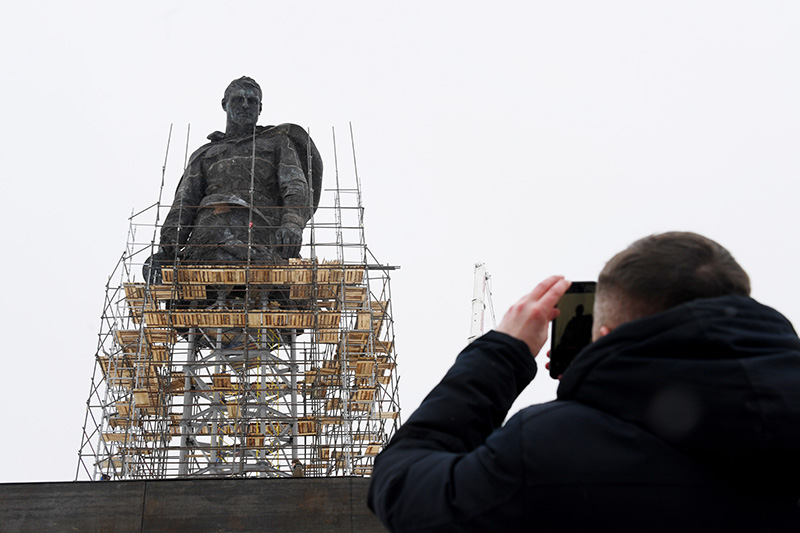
[[293, 390], [216, 407], [188, 403], [262, 393]]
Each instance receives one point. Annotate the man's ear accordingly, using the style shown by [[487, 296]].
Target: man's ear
[[223, 105], [599, 332]]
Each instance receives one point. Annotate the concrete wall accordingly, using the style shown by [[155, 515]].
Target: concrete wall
[[291, 504]]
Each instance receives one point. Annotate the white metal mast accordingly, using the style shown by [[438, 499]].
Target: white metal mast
[[480, 297]]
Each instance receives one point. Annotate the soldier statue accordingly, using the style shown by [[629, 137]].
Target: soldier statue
[[246, 195]]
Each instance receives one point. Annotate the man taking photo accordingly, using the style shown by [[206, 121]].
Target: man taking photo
[[683, 414]]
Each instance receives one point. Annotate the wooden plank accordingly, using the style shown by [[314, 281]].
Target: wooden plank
[[333, 404], [379, 308], [160, 354], [300, 292], [383, 346], [328, 336], [306, 426], [128, 337], [160, 335], [115, 437], [156, 318], [328, 319], [193, 292], [124, 409], [365, 368], [119, 422], [355, 338], [163, 292], [354, 296], [372, 319], [178, 383], [354, 275], [141, 397], [222, 382], [359, 396]]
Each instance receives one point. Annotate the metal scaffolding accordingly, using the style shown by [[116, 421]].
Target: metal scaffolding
[[246, 370]]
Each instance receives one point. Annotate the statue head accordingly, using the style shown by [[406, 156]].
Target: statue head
[[242, 102]]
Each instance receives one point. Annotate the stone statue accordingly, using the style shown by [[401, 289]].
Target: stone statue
[[246, 195]]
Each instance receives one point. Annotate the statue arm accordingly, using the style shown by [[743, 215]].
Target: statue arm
[[178, 224], [294, 188], [296, 201]]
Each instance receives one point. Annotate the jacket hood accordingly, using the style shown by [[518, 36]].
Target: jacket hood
[[717, 378]]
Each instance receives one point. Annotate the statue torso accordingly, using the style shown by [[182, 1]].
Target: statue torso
[[229, 169]]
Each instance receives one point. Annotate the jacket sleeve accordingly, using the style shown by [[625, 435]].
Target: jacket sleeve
[[451, 461]]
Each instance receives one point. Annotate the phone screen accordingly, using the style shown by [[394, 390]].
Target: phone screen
[[572, 330]]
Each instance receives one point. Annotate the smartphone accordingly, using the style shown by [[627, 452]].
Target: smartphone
[[572, 330]]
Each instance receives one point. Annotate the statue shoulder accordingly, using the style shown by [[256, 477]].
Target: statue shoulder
[[209, 149], [306, 151], [294, 132]]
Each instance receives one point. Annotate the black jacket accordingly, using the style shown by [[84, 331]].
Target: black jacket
[[688, 420]]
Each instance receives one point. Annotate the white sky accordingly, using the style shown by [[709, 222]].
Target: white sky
[[539, 137]]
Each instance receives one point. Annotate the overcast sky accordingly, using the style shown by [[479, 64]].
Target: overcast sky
[[537, 137]]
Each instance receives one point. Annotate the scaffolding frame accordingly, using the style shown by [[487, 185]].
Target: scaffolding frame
[[204, 372]]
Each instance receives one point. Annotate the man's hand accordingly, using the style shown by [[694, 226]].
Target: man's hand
[[528, 319], [288, 239]]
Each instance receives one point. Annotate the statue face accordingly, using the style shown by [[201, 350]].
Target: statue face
[[243, 106]]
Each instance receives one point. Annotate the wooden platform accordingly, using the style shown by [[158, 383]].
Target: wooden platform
[[296, 272], [333, 286], [289, 504], [253, 319]]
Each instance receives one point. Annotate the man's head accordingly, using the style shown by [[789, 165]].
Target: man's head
[[661, 271], [242, 102]]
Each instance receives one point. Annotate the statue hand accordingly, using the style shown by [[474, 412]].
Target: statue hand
[[151, 269], [289, 239]]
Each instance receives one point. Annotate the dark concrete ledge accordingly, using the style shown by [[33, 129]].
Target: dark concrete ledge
[[291, 504]]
